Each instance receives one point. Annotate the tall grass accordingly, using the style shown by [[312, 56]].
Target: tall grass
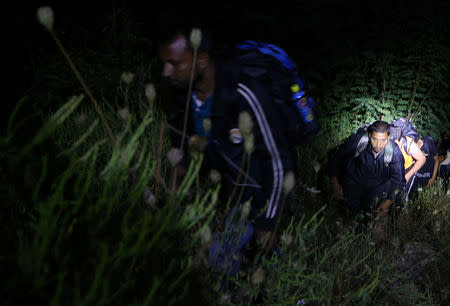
[[81, 233]]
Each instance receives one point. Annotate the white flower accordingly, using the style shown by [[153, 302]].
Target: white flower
[[150, 92], [215, 176], [149, 197], [246, 209], [196, 38], [313, 190], [45, 16], [224, 298], [174, 156], [249, 144], [207, 124], [316, 167], [205, 234], [437, 225], [127, 77], [289, 182], [197, 143], [245, 124], [258, 276], [124, 114], [286, 239]]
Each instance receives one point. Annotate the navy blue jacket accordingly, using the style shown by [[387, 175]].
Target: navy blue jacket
[[430, 150], [238, 90], [366, 170]]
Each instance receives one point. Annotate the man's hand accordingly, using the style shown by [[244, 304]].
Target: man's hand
[[431, 182], [383, 209], [435, 171], [337, 189], [407, 177]]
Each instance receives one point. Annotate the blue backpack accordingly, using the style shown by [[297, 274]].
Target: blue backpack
[[300, 129]]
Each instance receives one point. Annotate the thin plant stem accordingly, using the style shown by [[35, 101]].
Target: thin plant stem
[[188, 99], [159, 180], [238, 179], [90, 96], [421, 102], [186, 115], [83, 84]]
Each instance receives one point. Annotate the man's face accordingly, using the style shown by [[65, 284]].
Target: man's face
[[177, 60], [378, 141]]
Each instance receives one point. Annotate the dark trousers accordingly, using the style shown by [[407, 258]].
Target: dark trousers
[[410, 187], [364, 198], [444, 174]]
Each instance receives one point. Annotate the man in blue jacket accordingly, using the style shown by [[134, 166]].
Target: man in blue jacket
[[367, 175]]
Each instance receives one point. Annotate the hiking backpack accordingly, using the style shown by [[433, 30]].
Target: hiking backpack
[[403, 127], [257, 59], [404, 130]]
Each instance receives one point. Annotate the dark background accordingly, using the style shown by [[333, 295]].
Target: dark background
[[314, 32]]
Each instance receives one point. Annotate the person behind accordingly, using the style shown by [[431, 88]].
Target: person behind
[[414, 160], [367, 182], [242, 121], [427, 174], [444, 160]]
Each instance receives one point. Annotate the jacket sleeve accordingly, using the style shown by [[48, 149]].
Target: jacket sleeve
[[271, 158], [339, 157]]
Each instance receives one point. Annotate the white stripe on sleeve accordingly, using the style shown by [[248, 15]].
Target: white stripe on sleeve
[[269, 141]]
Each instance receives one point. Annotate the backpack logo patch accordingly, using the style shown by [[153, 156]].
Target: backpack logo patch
[[235, 136]]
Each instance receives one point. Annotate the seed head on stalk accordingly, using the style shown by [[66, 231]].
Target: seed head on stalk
[[45, 17]]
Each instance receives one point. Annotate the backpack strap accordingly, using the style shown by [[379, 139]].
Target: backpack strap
[[388, 152], [409, 141], [364, 138], [362, 144], [269, 49], [406, 143], [405, 146]]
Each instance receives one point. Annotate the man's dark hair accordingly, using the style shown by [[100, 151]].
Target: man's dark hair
[[379, 127], [168, 30]]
